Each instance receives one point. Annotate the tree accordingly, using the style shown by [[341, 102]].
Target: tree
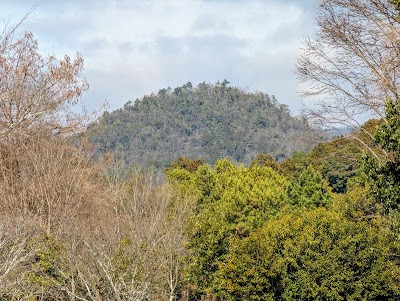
[[36, 90], [351, 65], [265, 160], [384, 177], [308, 190], [200, 123], [337, 161], [312, 255], [233, 202], [45, 177], [185, 163]]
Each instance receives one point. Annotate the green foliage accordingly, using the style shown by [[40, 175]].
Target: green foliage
[[233, 202], [388, 133], [311, 255], [265, 160], [337, 161], [397, 4], [384, 176], [48, 271], [256, 236], [185, 163], [208, 121], [308, 190], [180, 175], [384, 184], [356, 203]]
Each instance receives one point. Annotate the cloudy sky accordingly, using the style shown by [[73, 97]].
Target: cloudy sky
[[134, 47]]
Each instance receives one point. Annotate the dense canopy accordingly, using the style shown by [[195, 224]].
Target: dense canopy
[[208, 121]]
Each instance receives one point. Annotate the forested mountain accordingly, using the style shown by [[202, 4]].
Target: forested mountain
[[319, 225], [210, 121]]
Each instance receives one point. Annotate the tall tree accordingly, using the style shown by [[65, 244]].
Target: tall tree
[[352, 63], [312, 255], [35, 89], [232, 202], [384, 177]]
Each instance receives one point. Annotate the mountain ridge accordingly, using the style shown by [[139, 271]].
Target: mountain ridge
[[209, 121]]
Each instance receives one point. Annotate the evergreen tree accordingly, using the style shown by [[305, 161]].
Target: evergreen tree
[[308, 190], [311, 255], [232, 202], [384, 177], [210, 121]]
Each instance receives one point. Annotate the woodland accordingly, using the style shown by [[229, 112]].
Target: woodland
[[206, 192], [210, 121]]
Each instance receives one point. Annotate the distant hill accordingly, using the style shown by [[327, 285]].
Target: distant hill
[[209, 121]]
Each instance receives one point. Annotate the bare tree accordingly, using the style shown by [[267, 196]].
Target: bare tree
[[45, 177], [152, 220], [36, 90], [353, 63], [14, 255], [133, 247], [69, 228]]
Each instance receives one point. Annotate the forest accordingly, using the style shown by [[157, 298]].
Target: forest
[[210, 121], [206, 192]]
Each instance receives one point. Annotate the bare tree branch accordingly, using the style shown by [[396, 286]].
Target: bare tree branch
[[352, 64]]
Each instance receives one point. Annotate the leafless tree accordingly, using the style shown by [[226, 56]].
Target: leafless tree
[[14, 256], [37, 90], [353, 62], [70, 228], [133, 247], [152, 219], [44, 176]]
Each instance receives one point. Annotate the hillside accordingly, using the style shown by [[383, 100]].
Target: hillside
[[210, 121]]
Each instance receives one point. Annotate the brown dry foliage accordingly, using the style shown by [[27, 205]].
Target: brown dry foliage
[[114, 237], [45, 177], [37, 91], [72, 228]]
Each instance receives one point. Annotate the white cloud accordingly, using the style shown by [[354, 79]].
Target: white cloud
[[132, 48]]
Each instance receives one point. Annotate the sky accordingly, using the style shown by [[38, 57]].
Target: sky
[[132, 48]]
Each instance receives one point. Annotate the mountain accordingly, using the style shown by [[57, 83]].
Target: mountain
[[209, 121]]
